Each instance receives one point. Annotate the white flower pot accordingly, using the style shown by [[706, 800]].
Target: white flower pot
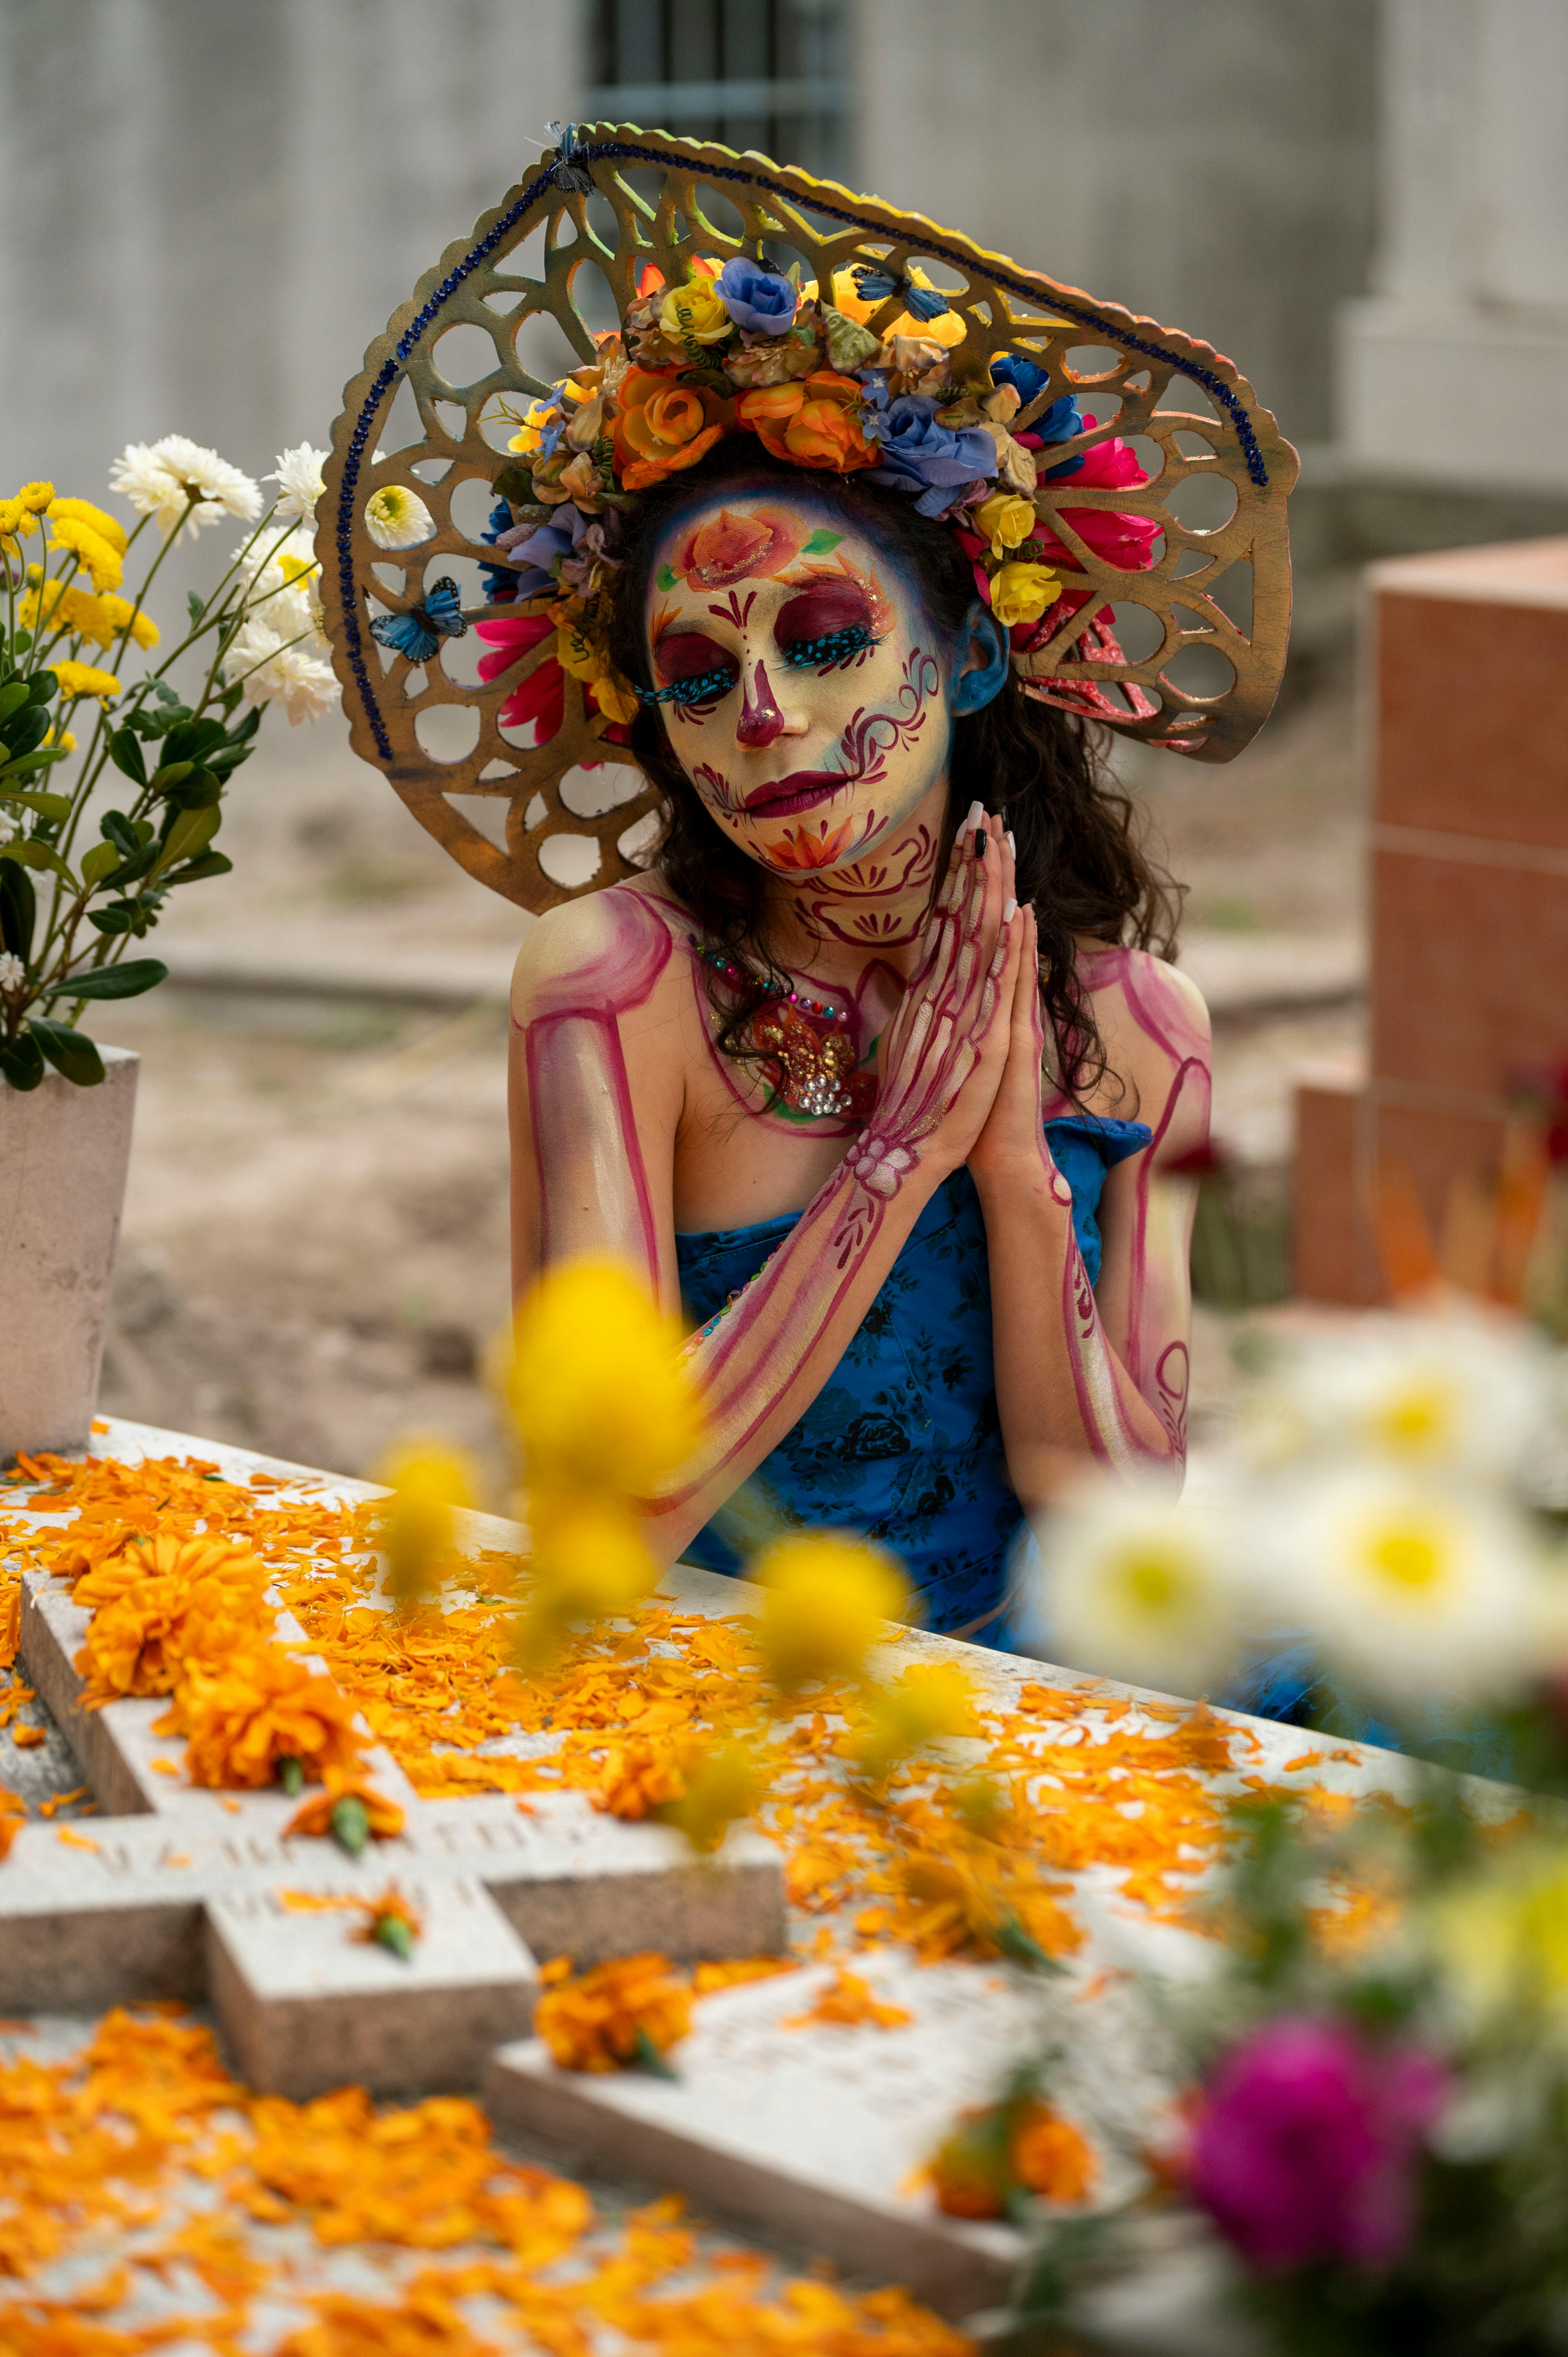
[[64, 1152]]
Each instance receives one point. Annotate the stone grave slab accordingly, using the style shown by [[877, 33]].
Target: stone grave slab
[[182, 1893]]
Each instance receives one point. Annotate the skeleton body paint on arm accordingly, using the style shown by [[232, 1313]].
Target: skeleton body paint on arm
[[1098, 1371], [597, 1091]]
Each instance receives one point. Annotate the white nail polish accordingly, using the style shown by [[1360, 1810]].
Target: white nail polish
[[1011, 845], [1009, 912], [976, 816]]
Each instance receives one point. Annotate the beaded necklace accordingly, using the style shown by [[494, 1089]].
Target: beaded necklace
[[807, 1047]]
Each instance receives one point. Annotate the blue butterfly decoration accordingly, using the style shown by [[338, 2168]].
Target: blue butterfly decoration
[[420, 631]]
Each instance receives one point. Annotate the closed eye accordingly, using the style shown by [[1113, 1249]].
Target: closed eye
[[826, 625], [694, 668]]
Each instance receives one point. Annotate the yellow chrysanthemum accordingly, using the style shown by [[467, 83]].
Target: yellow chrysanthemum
[[825, 1602], [100, 558], [428, 1480], [601, 1400], [16, 518], [82, 678], [932, 1700], [97, 519], [85, 614], [38, 498], [63, 738], [724, 1783], [590, 1563]]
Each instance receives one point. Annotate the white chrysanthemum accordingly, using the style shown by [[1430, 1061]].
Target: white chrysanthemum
[[13, 973], [8, 829], [282, 587], [1411, 1587], [1131, 1582], [396, 517], [160, 477], [1460, 1394], [298, 473], [272, 672]]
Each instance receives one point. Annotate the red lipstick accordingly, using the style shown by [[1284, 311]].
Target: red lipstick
[[800, 791]]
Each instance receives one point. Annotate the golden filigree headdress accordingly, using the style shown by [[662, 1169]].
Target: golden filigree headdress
[[1136, 552]]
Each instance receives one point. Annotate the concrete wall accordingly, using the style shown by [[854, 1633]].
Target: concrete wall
[[211, 206], [1208, 161]]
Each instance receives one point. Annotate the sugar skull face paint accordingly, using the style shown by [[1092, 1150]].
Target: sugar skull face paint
[[800, 679]]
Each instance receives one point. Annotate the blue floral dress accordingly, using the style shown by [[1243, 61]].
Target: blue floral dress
[[903, 1441]]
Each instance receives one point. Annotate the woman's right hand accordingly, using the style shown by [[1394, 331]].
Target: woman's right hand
[[940, 1060]]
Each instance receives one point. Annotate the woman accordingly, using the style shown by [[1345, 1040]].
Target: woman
[[877, 1067]]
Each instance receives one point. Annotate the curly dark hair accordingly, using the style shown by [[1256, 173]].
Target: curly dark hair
[[1079, 858]]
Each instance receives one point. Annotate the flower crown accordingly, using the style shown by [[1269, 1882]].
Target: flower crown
[[742, 347]]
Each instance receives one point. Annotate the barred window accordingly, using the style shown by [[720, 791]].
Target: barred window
[[771, 74]]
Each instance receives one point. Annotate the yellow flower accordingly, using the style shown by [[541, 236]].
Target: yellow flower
[[1021, 593], [615, 700], [160, 1605], [723, 1783], [16, 518], [260, 1708], [38, 498], [99, 556], [63, 738], [82, 678], [530, 426], [97, 519], [824, 1603], [695, 312], [576, 653], [428, 1480], [600, 1397], [639, 1777], [1503, 1936], [619, 2013], [928, 1702], [1006, 519], [590, 1563], [86, 616]]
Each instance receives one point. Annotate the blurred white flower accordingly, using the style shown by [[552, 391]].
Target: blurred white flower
[[1464, 1392], [160, 477], [272, 672], [298, 472], [12, 971], [1412, 1588], [8, 832], [282, 588], [1133, 1583], [398, 517]]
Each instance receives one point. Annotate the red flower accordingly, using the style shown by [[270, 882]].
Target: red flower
[[541, 697], [1125, 541]]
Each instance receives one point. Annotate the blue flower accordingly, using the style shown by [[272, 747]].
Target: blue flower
[[501, 581], [921, 456], [1059, 423], [541, 547], [922, 302], [758, 297], [1022, 375]]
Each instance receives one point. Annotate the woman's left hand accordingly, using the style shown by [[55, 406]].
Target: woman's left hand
[[1012, 1145]]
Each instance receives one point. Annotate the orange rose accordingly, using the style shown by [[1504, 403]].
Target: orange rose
[[811, 425], [662, 427]]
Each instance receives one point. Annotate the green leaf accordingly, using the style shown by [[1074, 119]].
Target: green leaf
[[169, 773], [56, 807], [30, 853], [167, 694], [127, 755], [194, 604], [71, 1052], [12, 695], [189, 836], [192, 740], [20, 641], [664, 578], [515, 485], [21, 1063], [215, 864], [25, 729], [27, 765], [99, 864], [127, 980], [228, 758], [120, 917], [44, 687], [199, 792], [649, 2058], [821, 542], [247, 727]]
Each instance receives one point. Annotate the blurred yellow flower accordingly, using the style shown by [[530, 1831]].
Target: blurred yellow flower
[[36, 498], [929, 1701], [428, 1480], [1503, 1936], [724, 1783], [1021, 593], [66, 606], [64, 737], [1006, 519], [590, 1562], [82, 511], [599, 1395], [630, 2010], [82, 678], [824, 1602]]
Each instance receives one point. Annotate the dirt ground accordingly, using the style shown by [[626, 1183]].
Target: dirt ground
[[314, 1258]]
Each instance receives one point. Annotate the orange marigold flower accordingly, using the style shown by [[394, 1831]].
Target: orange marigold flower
[[10, 1621], [1048, 2156], [13, 1816], [630, 2010], [377, 1817], [638, 1778], [157, 1606], [810, 423], [390, 1922], [969, 2171], [849, 2002], [262, 1707], [730, 1972], [662, 427]]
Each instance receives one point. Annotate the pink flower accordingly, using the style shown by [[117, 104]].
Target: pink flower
[[1305, 2146], [542, 696], [1125, 541]]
